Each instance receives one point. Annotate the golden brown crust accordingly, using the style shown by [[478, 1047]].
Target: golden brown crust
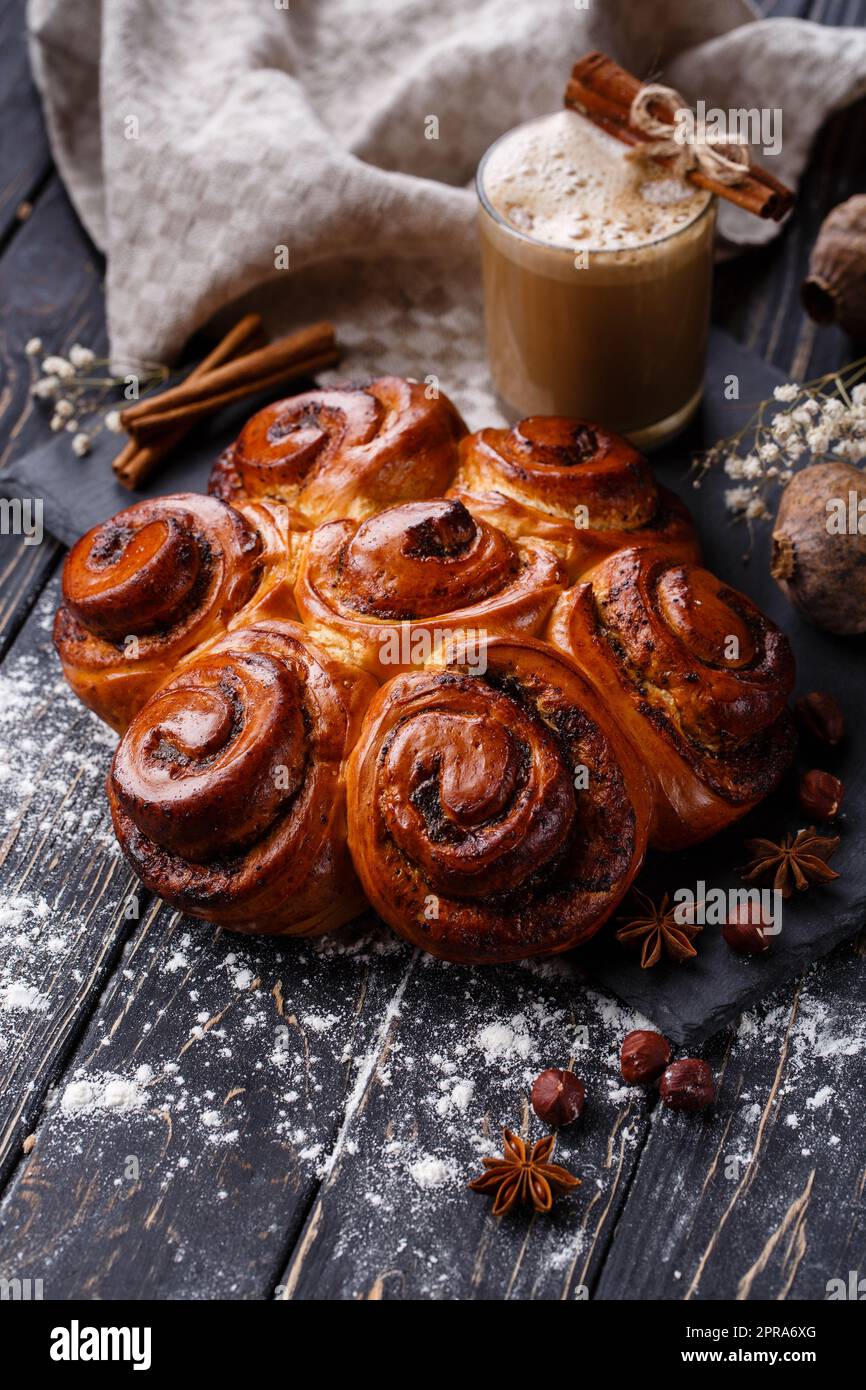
[[469, 822], [576, 487], [283, 534], [385, 592], [142, 590], [698, 677], [495, 815], [227, 790], [344, 451]]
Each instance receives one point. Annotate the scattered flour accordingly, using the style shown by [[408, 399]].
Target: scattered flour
[[53, 757], [428, 1172], [102, 1094], [820, 1098], [318, 1024], [18, 995]]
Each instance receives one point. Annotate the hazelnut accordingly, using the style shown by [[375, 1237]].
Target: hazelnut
[[687, 1085], [558, 1097], [819, 717], [819, 794], [643, 1056], [744, 930]]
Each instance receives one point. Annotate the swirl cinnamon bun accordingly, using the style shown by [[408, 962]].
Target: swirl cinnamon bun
[[698, 677], [579, 489], [227, 789], [142, 590], [386, 592], [497, 815], [344, 451]]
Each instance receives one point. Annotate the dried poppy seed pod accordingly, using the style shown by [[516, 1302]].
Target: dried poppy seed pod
[[834, 290], [822, 572]]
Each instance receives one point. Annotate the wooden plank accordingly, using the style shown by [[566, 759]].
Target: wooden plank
[[51, 288], [25, 159], [63, 883], [764, 1198], [389, 1084], [454, 1060], [183, 1147], [24, 572], [256, 1073]]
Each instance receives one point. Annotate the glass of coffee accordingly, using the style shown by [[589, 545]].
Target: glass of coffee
[[597, 276]]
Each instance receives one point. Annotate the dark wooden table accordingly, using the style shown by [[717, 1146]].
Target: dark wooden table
[[185, 1114]]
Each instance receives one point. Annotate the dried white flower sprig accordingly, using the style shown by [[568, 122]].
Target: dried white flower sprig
[[78, 388], [824, 417]]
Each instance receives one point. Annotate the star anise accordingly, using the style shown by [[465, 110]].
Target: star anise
[[523, 1175], [660, 929], [796, 862]]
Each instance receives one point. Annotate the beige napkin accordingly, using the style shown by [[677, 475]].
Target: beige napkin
[[204, 143]]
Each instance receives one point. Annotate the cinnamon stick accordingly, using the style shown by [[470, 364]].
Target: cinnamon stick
[[154, 426], [242, 376], [603, 92], [135, 462]]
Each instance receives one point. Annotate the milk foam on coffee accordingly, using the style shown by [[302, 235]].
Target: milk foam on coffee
[[562, 181]]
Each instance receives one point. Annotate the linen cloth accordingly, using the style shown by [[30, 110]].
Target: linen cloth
[[197, 137]]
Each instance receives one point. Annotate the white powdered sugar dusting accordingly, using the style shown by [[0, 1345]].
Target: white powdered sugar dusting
[[429, 1172], [359, 1066], [53, 759], [100, 1093]]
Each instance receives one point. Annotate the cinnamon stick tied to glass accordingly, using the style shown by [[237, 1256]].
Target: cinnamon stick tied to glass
[[606, 94]]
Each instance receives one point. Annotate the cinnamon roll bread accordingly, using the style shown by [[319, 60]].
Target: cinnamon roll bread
[[345, 451], [156, 581], [579, 489], [385, 592], [331, 682], [697, 676], [495, 809], [227, 789]]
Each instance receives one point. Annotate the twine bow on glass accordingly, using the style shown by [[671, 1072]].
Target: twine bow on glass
[[725, 161]]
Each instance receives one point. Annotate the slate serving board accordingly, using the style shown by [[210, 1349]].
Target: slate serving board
[[688, 1002], [691, 1002]]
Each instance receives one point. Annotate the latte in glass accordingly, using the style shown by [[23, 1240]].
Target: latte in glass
[[597, 276]]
